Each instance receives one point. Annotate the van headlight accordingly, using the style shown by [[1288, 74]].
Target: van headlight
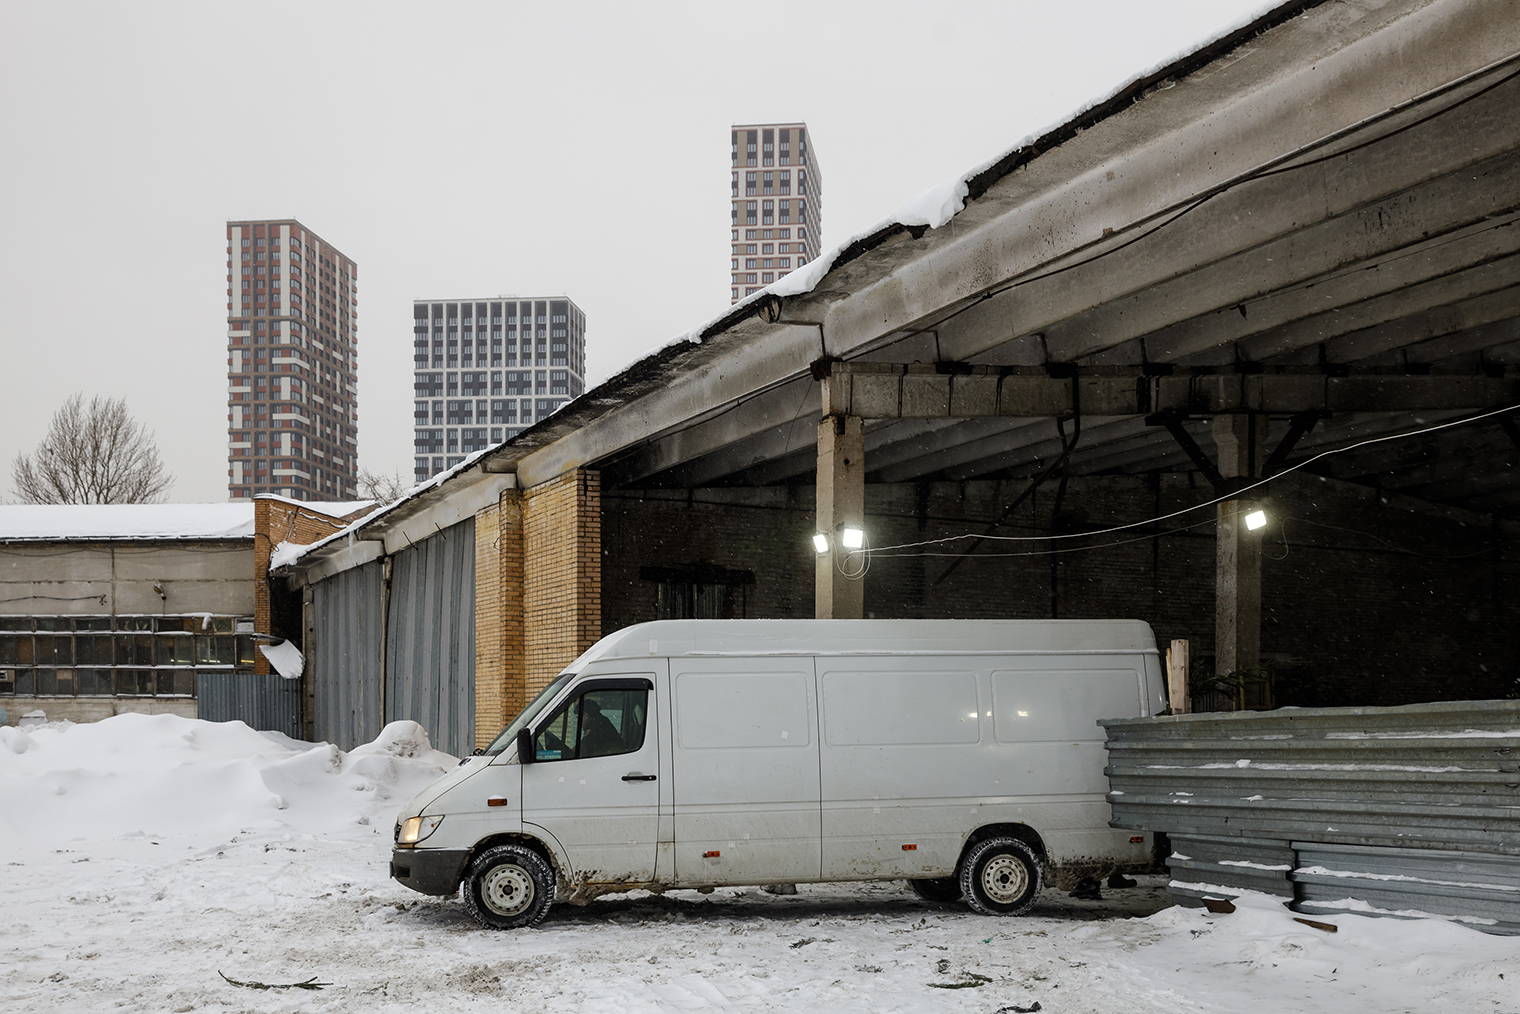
[[416, 829]]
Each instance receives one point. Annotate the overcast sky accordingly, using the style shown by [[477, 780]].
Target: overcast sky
[[468, 149]]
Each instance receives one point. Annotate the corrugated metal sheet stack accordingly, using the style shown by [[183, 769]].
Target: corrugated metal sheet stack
[[1409, 811]]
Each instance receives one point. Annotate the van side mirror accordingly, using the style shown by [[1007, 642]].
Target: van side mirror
[[525, 747]]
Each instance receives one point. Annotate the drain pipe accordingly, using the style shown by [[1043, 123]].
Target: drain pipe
[[385, 632]]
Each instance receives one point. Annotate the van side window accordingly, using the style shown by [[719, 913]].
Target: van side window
[[599, 723]]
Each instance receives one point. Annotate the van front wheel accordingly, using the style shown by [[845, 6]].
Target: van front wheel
[[508, 886], [1001, 876]]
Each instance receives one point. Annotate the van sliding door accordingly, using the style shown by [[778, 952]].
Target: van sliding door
[[746, 770], [901, 755]]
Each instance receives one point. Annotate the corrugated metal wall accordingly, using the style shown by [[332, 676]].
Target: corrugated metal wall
[[1408, 810], [346, 660], [430, 655], [267, 703]]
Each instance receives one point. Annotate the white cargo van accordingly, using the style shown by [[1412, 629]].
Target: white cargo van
[[963, 756]]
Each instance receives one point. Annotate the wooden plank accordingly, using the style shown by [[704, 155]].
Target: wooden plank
[[1177, 677]]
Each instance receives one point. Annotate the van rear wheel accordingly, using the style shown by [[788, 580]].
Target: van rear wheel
[[940, 890], [508, 886], [1001, 876]]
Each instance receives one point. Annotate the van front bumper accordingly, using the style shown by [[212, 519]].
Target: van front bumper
[[429, 871]]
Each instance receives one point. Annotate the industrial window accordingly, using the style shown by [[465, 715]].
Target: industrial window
[[599, 723], [698, 591], [118, 656]]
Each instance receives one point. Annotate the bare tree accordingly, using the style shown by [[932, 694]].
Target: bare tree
[[381, 487], [95, 453]]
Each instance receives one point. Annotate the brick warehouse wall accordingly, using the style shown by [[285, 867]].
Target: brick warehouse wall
[[276, 521], [560, 575], [499, 654], [1382, 599]]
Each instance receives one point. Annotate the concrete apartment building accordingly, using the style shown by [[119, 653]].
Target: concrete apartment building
[[777, 203], [292, 364], [488, 368]]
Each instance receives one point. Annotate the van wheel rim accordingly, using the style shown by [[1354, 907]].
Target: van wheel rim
[[507, 889], [1004, 879]]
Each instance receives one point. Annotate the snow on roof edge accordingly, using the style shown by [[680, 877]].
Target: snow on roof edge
[[936, 206], [932, 208], [115, 522], [328, 508], [294, 553]]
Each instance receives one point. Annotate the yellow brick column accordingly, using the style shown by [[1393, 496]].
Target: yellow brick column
[[562, 574], [498, 616]]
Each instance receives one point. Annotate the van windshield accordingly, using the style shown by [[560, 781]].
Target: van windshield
[[509, 734]]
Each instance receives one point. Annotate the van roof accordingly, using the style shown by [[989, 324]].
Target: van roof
[[676, 638]]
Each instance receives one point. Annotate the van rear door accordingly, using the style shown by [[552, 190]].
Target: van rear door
[[593, 781], [746, 770]]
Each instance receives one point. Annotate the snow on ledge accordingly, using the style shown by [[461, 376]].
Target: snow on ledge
[[285, 552], [286, 659]]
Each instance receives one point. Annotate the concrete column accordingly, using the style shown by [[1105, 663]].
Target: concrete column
[[1241, 443], [841, 502]]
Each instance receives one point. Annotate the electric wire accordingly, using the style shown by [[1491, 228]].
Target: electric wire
[[1201, 199], [1236, 495]]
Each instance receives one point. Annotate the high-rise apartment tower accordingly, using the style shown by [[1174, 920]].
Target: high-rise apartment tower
[[486, 369], [777, 203], [292, 362]]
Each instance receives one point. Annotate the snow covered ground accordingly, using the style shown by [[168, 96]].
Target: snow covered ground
[[143, 855]]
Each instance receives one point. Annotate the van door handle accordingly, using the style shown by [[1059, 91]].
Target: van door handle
[[634, 776]]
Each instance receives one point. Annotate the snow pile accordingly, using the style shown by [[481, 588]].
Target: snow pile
[[161, 776]]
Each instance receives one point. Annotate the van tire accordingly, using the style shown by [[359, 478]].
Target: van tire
[[1001, 876], [508, 887], [940, 890]]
